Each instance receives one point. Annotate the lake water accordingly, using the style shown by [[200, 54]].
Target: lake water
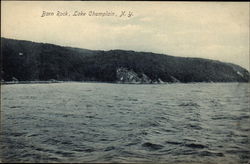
[[101, 122]]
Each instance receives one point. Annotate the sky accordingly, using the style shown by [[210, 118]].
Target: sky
[[212, 30]]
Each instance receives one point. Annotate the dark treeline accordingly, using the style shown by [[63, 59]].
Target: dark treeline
[[29, 61]]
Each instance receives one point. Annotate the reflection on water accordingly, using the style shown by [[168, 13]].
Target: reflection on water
[[98, 122]]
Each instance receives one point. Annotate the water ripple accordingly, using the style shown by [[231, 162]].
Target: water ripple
[[98, 122]]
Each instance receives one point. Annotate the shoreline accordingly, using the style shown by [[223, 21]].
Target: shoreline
[[132, 83]]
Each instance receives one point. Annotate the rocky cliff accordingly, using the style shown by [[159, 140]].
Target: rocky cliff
[[124, 75]]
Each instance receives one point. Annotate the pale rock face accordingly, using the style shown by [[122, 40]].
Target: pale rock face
[[174, 79], [240, 74], [145, 79], [124, 75], [160, 81]]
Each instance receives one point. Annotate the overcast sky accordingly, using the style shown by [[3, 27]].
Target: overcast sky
[[214, 30]]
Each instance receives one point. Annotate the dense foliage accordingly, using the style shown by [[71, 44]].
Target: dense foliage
[[28, 61]]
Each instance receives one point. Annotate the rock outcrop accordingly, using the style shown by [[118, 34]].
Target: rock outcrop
[[124, 75]]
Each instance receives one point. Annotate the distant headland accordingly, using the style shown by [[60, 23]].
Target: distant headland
[[30, 61]]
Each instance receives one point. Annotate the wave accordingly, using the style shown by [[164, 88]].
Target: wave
[[194, 145], [191, 104], [209, 153], [152, 146]]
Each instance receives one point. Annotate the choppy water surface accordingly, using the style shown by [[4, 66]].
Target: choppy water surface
[[98, 122]]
